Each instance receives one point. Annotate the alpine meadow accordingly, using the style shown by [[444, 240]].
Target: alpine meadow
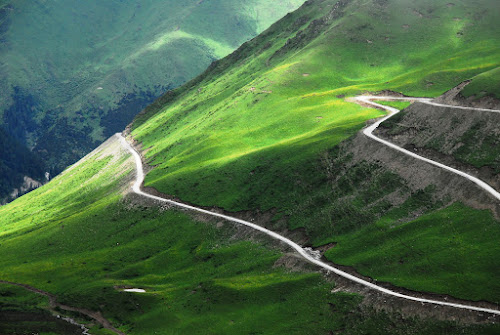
[[337, 173]]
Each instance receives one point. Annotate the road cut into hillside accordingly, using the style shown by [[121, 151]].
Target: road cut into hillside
[[393, 111], [306, 253]]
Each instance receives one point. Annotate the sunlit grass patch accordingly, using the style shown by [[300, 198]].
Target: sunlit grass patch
[[396, 104]]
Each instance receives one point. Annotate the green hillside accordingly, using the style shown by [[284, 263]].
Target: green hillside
[[260, 129], [284, 92], [80, 239], [484, 84], [73, 73], [269, 131]]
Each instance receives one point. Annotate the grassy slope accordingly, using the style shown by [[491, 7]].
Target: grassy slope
[[443, 251], [487, 83], [396, 104], [194, 277], [251, 133], [303, 109], [77, 238]]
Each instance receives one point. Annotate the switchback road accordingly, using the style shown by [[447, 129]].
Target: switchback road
[[306, 254]]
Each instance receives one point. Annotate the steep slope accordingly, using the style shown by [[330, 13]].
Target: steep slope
[[267, 131], [486, 84], [261, 130], [84, 239], [73, 73], [291, 93]]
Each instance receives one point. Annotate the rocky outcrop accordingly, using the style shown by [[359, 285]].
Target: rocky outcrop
[[467, 140], [419, 175], [456, 98], [28, 185]]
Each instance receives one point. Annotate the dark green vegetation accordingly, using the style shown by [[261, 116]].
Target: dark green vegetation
[[16, 162], [21, 312], [73, 73], [199, 279]]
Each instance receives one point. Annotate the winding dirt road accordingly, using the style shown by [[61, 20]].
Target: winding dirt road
[[393, 111], [307, 254], [97, 316]]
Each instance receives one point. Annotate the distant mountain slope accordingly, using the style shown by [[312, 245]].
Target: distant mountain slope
[[74, 72], [16, 163]]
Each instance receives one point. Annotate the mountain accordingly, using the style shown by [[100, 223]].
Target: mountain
[[73, 73], [271, 134], [283, 94], [296, 153]]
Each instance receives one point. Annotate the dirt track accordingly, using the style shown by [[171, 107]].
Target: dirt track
[[55, 304]]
